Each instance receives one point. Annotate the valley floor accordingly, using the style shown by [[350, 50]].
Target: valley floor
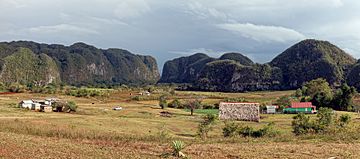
[[138, 131]]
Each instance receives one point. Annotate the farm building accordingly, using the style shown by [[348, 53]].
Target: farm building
[[239, 111], [300, 107], [271, 109], [36, 106], [26, 104]]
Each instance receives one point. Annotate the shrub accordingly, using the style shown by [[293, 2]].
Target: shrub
[[234, 100], [246, 131], [65, 107], [136, 98], [208, 106], [175, 104], [344, 120], [162, 102], [206, 125], [230, 129], [216, 106], [267, 130], [16, 88], [301, 124], [325, 119], [326, 122]]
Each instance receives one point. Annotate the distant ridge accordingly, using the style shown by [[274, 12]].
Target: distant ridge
[[78, 64]]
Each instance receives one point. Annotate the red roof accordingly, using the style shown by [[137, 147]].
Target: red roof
[[302, 105]]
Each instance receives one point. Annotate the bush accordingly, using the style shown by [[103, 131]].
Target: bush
[[16, 88], [208, 106], [267, 130], [175, 104], [65, 107], [326, 122], [230, 129], [246, 131], [136, 98], [70, 107], [344, 120], [234, 100], [162, 102], [216, 106], [301, 124], [83, 92], [206, 125], [325, 119]]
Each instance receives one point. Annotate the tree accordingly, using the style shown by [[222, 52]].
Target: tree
[[343, 98], [317, 86], [298, 93], [283, 101], [193, 104], [162, 101], [320, 99], [318, 91], [206, 125]]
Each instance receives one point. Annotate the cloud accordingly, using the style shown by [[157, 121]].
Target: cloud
[[210, 52], [263, 33], [131, 8], [62, 28], [12, 4], [204, 12]]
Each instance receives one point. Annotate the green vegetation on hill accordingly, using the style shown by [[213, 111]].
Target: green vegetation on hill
[[230, 76], [26, 67], [184, 69], [238, 58], [303, 62], [311, 59], [78, 64]]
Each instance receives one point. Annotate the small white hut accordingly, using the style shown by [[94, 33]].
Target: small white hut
[[26, 104]]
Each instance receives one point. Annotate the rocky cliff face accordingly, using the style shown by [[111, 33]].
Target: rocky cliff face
[[187, 69], [305, 61], [184, 69], [230, 76], [80, 64]]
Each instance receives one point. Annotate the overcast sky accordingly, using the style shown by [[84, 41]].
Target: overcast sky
[[165, 29]]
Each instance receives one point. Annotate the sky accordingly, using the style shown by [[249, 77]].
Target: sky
[[166, 29]]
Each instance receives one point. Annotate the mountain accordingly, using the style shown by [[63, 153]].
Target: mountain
[[353, 77], [187, 69], [231, 76], [302, 62], [184, 69], [78, 64], [241, 59], [311, 59]]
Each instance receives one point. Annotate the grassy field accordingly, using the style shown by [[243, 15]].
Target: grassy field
[[139, 131]]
